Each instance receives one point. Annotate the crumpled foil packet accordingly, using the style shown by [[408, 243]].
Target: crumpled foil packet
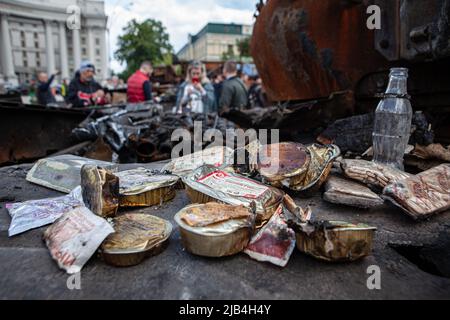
[[37, 213], [140, 180], [62, 173], [213, 156]]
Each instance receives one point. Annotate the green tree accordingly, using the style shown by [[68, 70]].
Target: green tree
[[143, 41], [229, 54], [244, 47]]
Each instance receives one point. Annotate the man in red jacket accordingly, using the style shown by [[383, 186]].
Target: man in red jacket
[[139, 86]]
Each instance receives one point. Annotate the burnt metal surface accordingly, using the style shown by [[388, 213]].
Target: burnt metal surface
[[143, 133], [33, 132], [292, 117], [354, 133], [414, 30], [308, 49]]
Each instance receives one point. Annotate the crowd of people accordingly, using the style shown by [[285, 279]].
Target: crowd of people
[[220, 92]]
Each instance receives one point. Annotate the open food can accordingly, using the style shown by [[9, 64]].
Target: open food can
[[319, 169], [334, 240], [293, 165], [208, 184], [142, 188], [214, 229], [283, 164], [136, 237], [100, 190]]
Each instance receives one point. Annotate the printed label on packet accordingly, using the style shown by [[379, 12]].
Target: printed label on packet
[[75, 237], [232, 185], [190, 162]]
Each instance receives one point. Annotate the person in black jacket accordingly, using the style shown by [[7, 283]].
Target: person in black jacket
[[44, 93], [256, 98], [234, 92], [84, 90]]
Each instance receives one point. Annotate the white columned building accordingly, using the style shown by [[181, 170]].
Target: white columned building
[[50, 50], [76, 48], [104, 59], [7, 57], [91, 44], [63, 50], [35, 36]]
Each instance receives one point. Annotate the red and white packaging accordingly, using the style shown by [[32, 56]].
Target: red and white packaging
[[75, 237], [274, 243], [233, 185]]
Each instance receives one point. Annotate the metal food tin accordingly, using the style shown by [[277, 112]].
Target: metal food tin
[[335, 240], [142, 188], [295, 166], [208, 184], [219, 239], [100, 190], [287, 161], [149, 198], [322, 158], [136, 237]]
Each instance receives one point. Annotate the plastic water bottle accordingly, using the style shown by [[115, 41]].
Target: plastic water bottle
[[393, 118]]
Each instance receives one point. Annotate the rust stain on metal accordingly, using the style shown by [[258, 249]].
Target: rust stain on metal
[[307, 49], [32, 133]]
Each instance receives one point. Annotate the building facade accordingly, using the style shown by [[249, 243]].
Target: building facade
[[40, 35], [213, 41]]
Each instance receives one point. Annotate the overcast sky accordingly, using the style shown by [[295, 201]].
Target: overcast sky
[[180, 17]]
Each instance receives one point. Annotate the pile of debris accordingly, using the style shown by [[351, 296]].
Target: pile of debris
[[240, 197], [234, 208], [140, 133]]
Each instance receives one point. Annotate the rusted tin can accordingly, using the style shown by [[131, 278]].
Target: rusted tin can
[[100, 190], [283, 164], [335, 241], [295, 166]]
